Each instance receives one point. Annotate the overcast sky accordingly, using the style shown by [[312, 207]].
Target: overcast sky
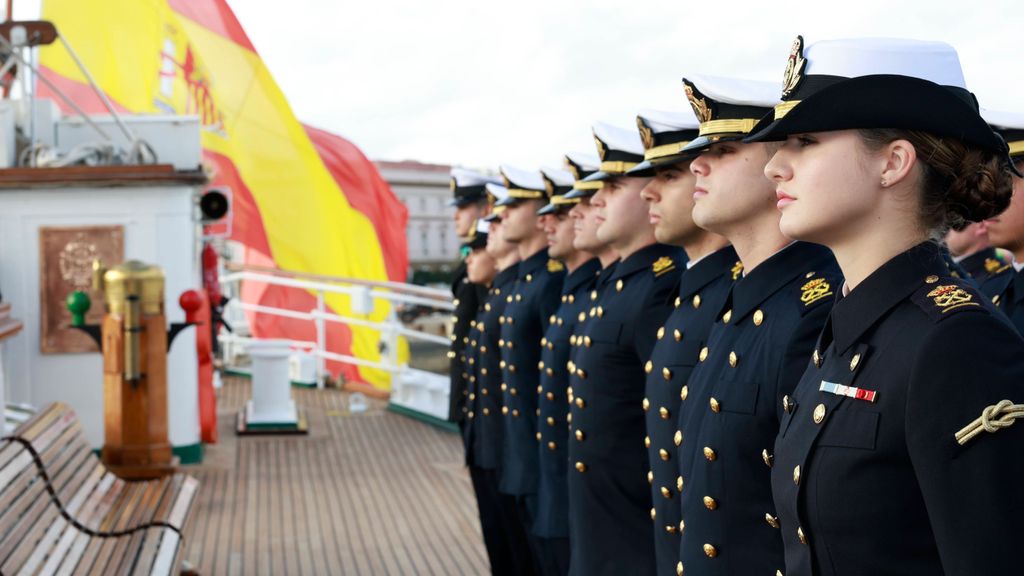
[[480, 83]]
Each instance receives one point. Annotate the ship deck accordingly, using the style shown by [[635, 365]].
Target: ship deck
[[364, 493]]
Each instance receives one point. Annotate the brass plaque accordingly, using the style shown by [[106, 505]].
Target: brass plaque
[[65, 265]]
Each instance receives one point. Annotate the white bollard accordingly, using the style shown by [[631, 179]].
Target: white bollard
[[271, 402]]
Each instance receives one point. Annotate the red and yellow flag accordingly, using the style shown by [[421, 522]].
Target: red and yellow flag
[[303, 199]]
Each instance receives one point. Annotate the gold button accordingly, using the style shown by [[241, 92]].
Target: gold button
[[648, 367], [696, 301], [581, 467], [538, 436], [677, 302], [581, 373], [487, 307], [677, 335], [678, 438], [552, 446], [679, 483], [504, 387], [508, 344], [587, 341], [550, 395], [768, 458], [710, 503], [710, 454], [771, 520], [682, 526], [703, 354], [504, 410], [679, 569], [671, 529], [519, 298], [684, 392], [932, 279], [456, 302], [472, 397], [593, 294], [582, 316], [733, 359], [819, 413], [646, 404], [580, 435], [654, 513], [710, 551], [727, 316], [650, 477], [600, 311], [664, 413], [487, 411], [511, 368], [666, 373], [551, 420], [647, 441], [515, 413], [661, 333], [787, 404], [571, 298], [854, 362], [572, 340], [715, 406], [502, 364], [665, 456], [529, 277], [800, 535], [513, 391], [543, 342], [580, 403], [618, 286], [758, 317], [666, 492], [779, 573], [471, 414], [796, 475], [816, 358], [550, 372]]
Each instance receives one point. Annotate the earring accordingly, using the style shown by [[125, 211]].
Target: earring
[[885, 183]]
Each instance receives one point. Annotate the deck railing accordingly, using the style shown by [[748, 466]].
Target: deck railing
[[413, 389]]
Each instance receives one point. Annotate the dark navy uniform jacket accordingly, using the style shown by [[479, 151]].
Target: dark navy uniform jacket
[[484, 428], [532, 301], [756, 353], [1005, 287], [702, 290], [609, 500], [983, 264], [868, 475], [552, 427], [467, 299]]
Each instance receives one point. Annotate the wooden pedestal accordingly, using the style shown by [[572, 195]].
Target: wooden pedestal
[[135, 413]]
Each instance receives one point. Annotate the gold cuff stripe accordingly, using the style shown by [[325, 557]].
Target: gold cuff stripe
[[580, 185], [617, 167], [727, 126], [782, 109], [665, 150], [523, 193], [1016, 147]]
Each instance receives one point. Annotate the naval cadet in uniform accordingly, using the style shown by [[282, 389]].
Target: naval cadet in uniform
[[1006, 286], [584, 218], [506, 541], [757, 347], [709, 273], [470, 201], [582, 268], [609, 500], [971, 249], [896, 454], [530, 304]]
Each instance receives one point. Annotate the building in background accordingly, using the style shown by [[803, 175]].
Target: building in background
[[425, 190]]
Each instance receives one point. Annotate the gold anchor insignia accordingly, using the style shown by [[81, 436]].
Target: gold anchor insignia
[[572, 168], [697, 101], [951, 296], [646, 134], [794, 67], [737, 269], [662, 265], [555, 266], [815, 290], [601, 150], [991, 265]]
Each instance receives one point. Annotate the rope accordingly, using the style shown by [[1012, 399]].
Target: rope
[[67, 515], [992, 419]]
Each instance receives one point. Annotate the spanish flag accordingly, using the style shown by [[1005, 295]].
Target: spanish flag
[[303, 199]]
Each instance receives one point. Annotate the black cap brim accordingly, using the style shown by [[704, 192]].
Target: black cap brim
[[460, 201], [700, 144], [648, 168], [868, 102], [577, 193]]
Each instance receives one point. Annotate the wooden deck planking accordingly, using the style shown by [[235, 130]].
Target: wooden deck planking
[[371, 493]]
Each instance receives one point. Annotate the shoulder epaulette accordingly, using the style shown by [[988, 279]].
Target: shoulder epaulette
[[814, 290], [662, 265], [943, 299]]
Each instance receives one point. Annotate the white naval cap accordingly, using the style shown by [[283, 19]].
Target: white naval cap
[[618, 148], [468, 186], [727, 108], [498, 195], [664, 136]]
